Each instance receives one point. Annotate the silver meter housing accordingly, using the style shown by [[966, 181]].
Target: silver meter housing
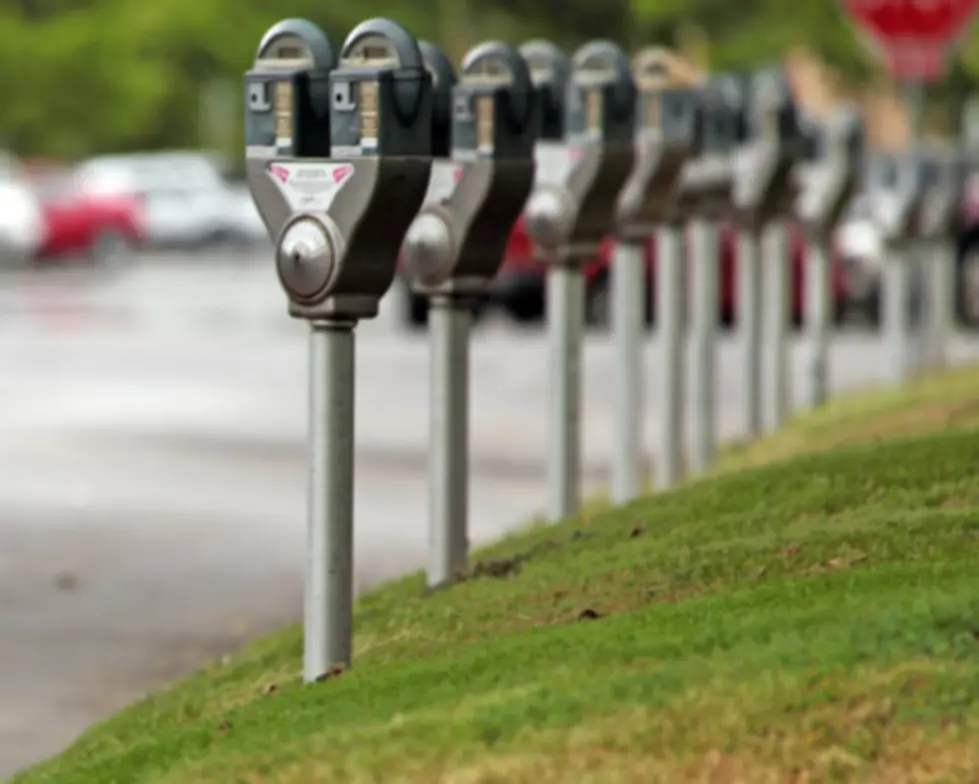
[[667, 136], [338, 219], [456, 244], [575, 196]]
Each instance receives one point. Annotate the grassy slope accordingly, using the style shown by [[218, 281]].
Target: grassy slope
[[818, 616]]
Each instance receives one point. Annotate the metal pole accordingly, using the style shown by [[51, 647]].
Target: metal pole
[[565, 317], [895, 315], [668, 458], [329, 548], [941, 301], [818, 319], [628, 325], [703, 335], [916, 252], [775, 260], [749, 326], [449, 321]]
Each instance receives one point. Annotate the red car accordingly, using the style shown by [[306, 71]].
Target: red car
[[519, 286], [82, 226]]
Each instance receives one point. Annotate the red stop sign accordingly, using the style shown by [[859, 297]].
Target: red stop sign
[[915, 36]]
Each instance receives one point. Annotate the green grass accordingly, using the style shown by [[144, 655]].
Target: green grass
[[815, 619]]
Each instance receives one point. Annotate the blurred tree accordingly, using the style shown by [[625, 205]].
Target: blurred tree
[[85, 76]]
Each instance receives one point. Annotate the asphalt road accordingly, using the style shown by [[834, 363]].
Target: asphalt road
[[152, 464]]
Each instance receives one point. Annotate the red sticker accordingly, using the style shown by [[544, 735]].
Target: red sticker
[[340, 173], [281, 173]]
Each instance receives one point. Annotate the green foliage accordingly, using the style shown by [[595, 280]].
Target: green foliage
[[83, 76]]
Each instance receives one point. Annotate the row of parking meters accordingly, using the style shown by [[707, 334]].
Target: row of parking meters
[[383, 151]]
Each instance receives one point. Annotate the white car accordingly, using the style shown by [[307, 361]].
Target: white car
[[186, 200], [21, 220]]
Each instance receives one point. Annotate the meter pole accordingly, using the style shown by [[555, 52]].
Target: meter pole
[[628, 325], [704, 253], [565, 317], [895, 314], [817, 319], [329, 566], [776, 287], [749, 326], [669, 372], [941, 295], [449, 321]]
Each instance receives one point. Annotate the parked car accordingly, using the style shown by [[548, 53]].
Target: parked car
[[81, 225], [186, 202], [519, 287]]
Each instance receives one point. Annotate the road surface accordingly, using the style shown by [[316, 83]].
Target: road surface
[[152, 464]]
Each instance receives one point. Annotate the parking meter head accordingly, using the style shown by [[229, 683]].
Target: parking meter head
[[380, 94], [287, 98], [601, 101], [549, 68], [669, 105], [773, 116], [724, 101], [495, 105], [443, 79]]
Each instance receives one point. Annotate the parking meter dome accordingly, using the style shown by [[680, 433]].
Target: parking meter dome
[[427, 252], [547, 217]]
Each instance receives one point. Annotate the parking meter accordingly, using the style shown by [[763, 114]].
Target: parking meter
[[570, 210], [708, 178], [830, 172], [338, 164], [456, 243], [667, 132], [828, 178], [765, 186], [287, 93], [331, 260], [765, 191], [944, 173], [894, 190], [706, 192], [453, 250]]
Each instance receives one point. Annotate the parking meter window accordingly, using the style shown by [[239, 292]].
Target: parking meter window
[[377, 93], [495, 106], [287, 91]]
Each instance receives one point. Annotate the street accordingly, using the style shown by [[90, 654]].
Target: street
[[153, 481]]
